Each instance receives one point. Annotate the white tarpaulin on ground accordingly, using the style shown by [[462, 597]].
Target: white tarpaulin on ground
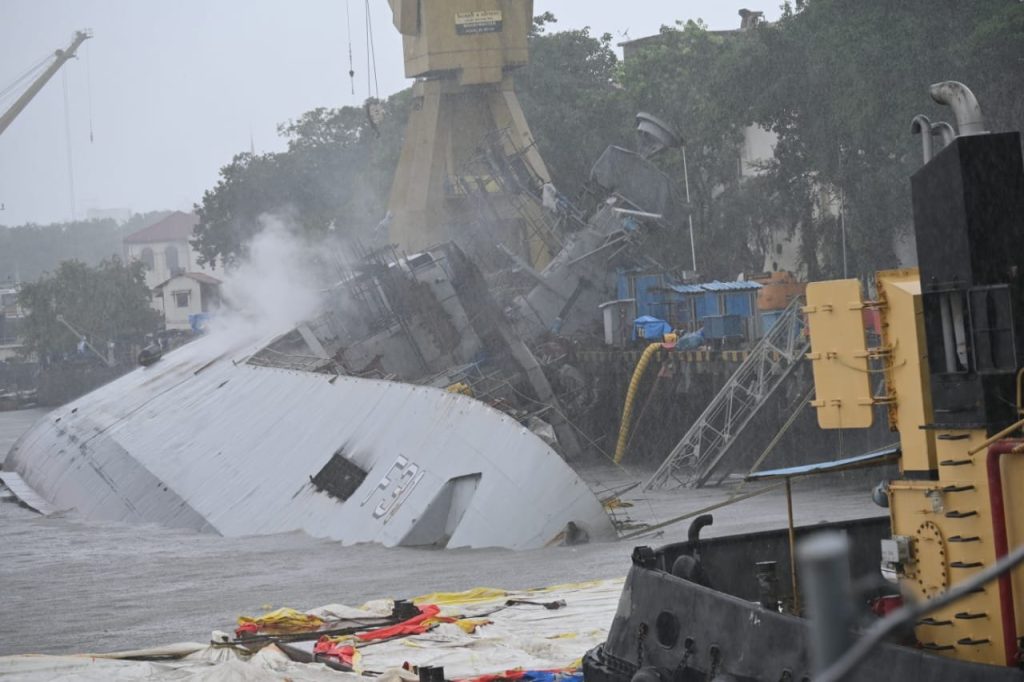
[[521, 633], [201, 666]]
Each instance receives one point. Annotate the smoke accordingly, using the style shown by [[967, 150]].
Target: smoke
[[274, 288]]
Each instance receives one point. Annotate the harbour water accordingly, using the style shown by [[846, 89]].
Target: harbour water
[[68, 585]]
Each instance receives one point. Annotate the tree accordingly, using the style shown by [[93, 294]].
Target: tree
[[29, 251], [109, 302], [685, 78], [335, 174], [338, 167], [838, 82], [572, 101]]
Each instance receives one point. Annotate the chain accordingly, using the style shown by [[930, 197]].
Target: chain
[[715, 654], [641, 635], [684, 662]]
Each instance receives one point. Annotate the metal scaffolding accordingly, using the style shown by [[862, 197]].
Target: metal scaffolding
[[708, 440], [500, 171]]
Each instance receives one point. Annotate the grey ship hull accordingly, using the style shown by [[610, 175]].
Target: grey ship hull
[[204, 440]]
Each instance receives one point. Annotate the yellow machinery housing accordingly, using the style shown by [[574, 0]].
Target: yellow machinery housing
[[940, 507], [462, 53]]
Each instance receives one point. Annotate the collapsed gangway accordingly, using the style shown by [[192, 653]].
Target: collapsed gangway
[[705, 447]]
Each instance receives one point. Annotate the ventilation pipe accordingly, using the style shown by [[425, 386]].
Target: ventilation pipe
[[969, 119], [922, 125], [945, 131], [997, 505]]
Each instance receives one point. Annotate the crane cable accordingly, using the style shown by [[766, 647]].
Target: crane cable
[[351, 67], [67, 134], [373, 108], [371, 57], [33, 70], [88, 85]]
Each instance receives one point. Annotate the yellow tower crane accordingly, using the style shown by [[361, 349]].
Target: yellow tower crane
[[462, 54]]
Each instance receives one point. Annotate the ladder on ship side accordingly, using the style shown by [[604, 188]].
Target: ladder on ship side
[[708, 440]]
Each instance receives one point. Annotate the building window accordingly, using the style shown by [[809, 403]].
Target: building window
[[171, 258], [147, 258], [182, 298]]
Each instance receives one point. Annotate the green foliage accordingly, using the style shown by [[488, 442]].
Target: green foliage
[[338, 168], [994, 52], [838, 82], [336, 173], [572, 102], [29, 251], [685, 79], [109, 302], [540, 21]]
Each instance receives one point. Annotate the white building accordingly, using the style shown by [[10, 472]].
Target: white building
[[180, 285], [187, 294], [11, 318], [164, 249]]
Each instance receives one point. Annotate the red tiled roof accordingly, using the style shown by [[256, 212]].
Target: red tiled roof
[[174, 227], [200, 277]]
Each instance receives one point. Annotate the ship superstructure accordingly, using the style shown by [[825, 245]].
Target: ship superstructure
[[951, 353]]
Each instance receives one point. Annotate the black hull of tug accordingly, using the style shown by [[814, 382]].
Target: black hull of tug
[[670, 629]]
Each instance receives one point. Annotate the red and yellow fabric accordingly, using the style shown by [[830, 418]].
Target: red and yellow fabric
[[278, 622], [414, 626], [340, 648]]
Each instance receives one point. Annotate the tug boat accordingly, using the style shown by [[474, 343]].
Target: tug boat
[[952, 343]]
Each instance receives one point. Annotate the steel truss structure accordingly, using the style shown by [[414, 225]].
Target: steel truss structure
[[708, 441]]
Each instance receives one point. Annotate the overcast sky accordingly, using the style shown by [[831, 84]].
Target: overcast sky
[[177, 88]]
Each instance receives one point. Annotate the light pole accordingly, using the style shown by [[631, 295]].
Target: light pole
[[842, 227], [689, 212], [654, 136]]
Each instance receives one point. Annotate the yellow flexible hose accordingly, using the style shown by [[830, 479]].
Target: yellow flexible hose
[[627, 409]]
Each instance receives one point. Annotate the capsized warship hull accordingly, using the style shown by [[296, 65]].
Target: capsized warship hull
[[205, 440]]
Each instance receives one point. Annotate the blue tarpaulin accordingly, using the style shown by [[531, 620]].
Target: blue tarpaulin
[[650, 328], [877, 457], [548, 676], [691, 341], [199, 322]]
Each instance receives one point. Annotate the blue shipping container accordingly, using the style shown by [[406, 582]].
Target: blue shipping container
[[707, 305], [623, 290], [723, 327], [649, 298], [738, 303]]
